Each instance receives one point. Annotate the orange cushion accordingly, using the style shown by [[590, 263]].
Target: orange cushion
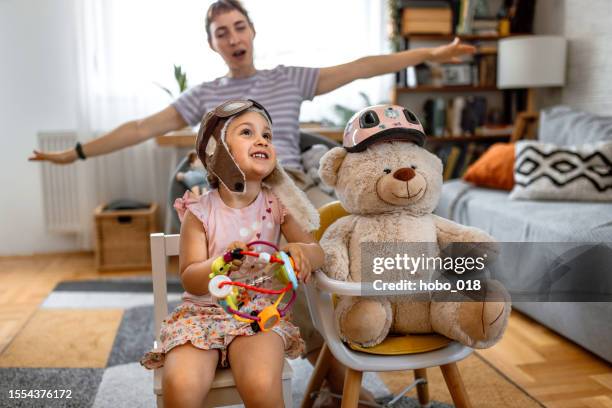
[[494, 169]]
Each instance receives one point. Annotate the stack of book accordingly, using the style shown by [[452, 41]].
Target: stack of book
[[426, 17], [487, 69], [485, 26], [460, 116], [456, 159]]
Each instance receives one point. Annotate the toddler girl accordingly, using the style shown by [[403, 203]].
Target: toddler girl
[[251, 199]]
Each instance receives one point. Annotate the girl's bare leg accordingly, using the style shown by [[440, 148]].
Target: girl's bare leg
[[188, 375], [257, 365]]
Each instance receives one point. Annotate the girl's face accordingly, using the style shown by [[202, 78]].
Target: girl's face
[[232, 37], [249, 139]]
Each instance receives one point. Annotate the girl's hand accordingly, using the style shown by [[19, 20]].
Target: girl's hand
[[302, 263], [236, 263], [63, 157], [451, 52]]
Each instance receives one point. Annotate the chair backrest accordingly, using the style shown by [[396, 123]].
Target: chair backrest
[[162, 246], [329, 213]]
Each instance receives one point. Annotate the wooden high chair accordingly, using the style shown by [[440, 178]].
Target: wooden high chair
[[223, 390], [417, 352]]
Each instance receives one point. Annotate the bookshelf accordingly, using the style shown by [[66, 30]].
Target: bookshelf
[[399, 90], [468, 139], [453, 99], [462, 37]]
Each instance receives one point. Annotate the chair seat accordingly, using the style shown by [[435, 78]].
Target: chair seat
[[225, 379], [408, 344]]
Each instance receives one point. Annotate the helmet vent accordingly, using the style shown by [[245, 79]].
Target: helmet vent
[[411, 117], [369, 119]]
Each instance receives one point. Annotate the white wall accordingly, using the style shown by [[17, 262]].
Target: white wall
[[587, 26], [37, 93]]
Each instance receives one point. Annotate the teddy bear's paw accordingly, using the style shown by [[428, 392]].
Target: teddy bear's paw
[[364, 321], [494, 320], [482, 323]]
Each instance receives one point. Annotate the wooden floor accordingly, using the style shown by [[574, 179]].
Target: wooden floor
[[553, 370]]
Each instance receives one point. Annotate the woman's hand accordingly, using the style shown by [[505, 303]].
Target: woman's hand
[[236, 263], [63, 157], [302, 263], [451, 52]]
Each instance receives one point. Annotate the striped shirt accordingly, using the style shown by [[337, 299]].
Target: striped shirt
[[281, 90]]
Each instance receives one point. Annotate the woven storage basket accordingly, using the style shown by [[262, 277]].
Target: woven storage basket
[[122, 238]]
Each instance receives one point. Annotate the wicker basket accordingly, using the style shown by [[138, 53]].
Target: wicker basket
[[122, 238]]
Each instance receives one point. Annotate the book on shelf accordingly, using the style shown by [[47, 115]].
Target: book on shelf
[[427, 27], [466, 16], [487, 69], [456, 159], [435, 117], [427, 14], [485, 24], [486, 49], [423, 4], [400, 76], [460, 116], [451, 162], [468, 158], [427, 20]]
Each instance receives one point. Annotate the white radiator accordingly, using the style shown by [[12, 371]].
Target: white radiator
[[60, 185]]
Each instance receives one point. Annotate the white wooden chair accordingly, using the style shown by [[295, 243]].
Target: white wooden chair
[[223, 391], [319, 292]]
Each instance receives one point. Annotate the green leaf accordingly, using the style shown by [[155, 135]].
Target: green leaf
[[169, 92]]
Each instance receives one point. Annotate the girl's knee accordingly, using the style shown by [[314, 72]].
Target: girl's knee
[[261, 388], [180, 382]]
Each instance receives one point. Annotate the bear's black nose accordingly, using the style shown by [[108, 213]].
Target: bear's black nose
[[404, 174]]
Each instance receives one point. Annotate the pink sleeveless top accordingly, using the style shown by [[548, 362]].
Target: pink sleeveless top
[[259, 221]]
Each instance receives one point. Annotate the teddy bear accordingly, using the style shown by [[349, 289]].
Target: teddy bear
[[390, 185]]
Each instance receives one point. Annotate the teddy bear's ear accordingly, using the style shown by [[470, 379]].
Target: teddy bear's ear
[[329, 165]]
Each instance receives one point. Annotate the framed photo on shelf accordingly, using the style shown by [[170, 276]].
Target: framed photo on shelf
[[456, 74]]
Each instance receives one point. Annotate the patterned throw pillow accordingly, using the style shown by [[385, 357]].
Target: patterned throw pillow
[[544, 171]]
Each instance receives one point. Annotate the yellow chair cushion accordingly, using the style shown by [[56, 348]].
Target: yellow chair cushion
[[392, 345], [408, 344], [329, 213]]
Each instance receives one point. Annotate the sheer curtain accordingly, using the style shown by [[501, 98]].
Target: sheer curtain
[[125, 48]]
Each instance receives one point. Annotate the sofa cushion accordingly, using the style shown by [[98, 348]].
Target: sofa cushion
[[565, 126], [545, 171], [522, 220], [494, 169]]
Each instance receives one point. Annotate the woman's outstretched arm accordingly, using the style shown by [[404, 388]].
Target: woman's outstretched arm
[[128, 134], [334, 77]]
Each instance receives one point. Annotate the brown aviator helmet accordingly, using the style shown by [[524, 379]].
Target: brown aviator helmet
[[212, 147]]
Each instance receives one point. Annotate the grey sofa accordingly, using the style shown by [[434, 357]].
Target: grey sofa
[[587, 323]]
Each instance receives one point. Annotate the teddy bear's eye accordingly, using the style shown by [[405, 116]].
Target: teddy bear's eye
[[387, 171], [413, 167]]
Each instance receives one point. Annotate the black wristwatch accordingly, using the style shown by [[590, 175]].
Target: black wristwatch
[[79, 151]]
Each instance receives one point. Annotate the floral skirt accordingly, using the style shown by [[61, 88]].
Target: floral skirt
[[209, 327]]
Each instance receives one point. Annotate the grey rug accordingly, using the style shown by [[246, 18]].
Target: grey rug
[[124, 383]]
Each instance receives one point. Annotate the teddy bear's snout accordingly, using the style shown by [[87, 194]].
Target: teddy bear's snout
[[404, 174]]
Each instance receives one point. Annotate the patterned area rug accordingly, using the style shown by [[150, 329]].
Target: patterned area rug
[[88, 336]]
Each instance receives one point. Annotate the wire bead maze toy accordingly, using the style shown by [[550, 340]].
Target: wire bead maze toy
[[231, 298]]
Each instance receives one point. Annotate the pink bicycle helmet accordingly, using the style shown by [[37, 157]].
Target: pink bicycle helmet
[[382, 123]]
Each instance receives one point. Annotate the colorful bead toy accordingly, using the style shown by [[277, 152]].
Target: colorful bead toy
[[230, 297]]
